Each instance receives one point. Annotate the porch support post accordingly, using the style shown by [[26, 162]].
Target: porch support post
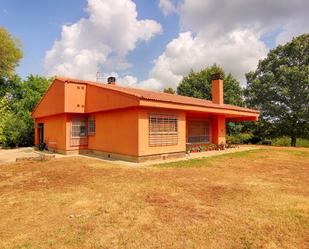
[[218, 130], [36, 133]]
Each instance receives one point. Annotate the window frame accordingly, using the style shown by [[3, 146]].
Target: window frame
[[204, 135], [160, 132], [82, 138], [91, 125]]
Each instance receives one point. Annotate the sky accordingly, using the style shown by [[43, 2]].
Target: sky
[[149, 43]]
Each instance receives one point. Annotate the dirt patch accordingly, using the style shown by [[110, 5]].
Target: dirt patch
[[256, 199]]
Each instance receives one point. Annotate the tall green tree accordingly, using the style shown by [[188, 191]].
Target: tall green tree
[[198, 85], [10, 53], [16, 123], [280, 89], [169, 90]]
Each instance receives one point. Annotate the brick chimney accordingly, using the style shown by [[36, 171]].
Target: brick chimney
[[217, 88]]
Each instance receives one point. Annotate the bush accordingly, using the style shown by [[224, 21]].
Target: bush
[[286, 141], [18, 130], [208, 147], [281, 141], [42, 146], [266, 142], [242, 138], [301, 142]]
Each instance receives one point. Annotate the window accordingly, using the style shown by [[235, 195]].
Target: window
[[91, 126], [198, 131], [79, 132], [163, 129]]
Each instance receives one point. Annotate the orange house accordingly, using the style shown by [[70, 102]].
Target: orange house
[[130, 124]]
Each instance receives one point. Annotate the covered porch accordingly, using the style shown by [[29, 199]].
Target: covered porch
[[204, 128], [209, 128]]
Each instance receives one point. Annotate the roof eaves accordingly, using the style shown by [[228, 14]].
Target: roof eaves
[[224, 107]]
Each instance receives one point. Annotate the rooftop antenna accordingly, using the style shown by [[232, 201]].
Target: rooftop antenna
[[100, 77]]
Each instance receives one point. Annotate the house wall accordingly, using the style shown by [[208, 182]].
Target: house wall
[[123, 132], [144, 149], [68, 125], [218, 129], [75, 97], [101, 99], [54, 131], [116, 132], [52, 102]]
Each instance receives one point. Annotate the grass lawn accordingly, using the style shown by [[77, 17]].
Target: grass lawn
[[254, 199]]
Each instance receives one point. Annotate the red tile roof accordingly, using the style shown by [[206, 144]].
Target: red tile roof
[[159, 96]]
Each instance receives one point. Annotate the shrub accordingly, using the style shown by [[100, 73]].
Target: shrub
[[42, 146], [242, 138], [301, 142], [286, 141], [266, 142], [281, 141], [208, 147]]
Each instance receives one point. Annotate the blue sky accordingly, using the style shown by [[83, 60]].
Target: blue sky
[[38, 24], [179, 35]]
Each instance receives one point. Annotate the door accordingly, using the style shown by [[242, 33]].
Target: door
[[41, 133]]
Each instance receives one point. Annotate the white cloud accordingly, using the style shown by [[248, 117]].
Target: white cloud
[[99, 42], [130, 81], [237, 52], [219, 17], [227, 33], [292, 29], [127, 80], [167, 7]]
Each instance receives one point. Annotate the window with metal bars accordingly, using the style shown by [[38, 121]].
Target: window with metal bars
[[79, 132], [163, 129], [91, 126], [199, 131]]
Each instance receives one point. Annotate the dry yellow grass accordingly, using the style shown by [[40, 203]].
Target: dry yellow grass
[[255, 199]]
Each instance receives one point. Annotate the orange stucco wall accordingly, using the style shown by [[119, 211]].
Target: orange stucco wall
[[143, 133], [54, 131], [100, 99], [53, 101], [124, 131], [75, 97], [218, 128], [116, 132]]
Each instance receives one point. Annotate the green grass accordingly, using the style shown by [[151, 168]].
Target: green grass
[[250, 154], [208, 161]]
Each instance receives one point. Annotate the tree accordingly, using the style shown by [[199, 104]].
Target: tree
[[198, 85], [17, 126], [169, 90], [280, 89], [10, 53]]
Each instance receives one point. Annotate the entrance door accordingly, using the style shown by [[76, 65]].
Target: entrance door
[[41, 133]]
